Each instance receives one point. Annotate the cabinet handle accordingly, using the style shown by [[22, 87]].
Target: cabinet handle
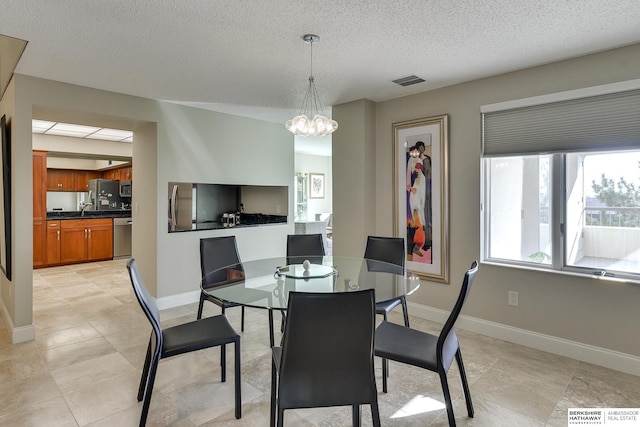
[[89, 233], [85, 233], [58, 233]]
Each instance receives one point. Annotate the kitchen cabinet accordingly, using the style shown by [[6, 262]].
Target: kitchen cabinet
[[39, 185], [118, 174], [53, 243], [70, 180], [126, 174], [39, 207], [81, 179], [111, 174], [39, 243], [86, 240], [60, 180]]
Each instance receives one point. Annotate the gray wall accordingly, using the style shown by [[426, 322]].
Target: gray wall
[[583, 310]]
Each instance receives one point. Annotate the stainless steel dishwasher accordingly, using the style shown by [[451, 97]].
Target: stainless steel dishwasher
[[122, 237]]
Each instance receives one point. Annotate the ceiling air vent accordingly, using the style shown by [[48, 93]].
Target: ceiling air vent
[[409, 80]]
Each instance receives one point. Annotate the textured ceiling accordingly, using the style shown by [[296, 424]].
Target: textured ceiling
[[246, 57]]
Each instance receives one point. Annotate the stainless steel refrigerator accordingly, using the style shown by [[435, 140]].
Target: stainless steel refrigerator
[[104, 195]]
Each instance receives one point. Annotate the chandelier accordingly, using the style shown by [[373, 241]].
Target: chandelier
[[320, 124]]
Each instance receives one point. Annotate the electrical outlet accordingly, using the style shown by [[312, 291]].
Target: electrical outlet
[[512, 298], [278, 209]]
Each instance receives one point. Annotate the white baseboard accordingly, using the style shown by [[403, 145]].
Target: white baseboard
[[21, 333], [178, 300], [622, 362]]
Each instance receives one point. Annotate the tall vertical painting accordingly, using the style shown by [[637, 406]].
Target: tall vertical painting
[[421, 194]]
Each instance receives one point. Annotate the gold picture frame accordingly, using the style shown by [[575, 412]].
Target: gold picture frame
[[421, 194]]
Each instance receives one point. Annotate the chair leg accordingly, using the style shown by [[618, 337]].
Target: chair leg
[[405, 311], [385, 363], [271, 333], [223, 356], [147, 396], [447, 398], [145, 373], [237, 380], [375, 414], [223, 363], [283, 319], [465, 384], [242, 320], [356, 415], [200, 306], [280, 422], [274, 379], [385, 374]]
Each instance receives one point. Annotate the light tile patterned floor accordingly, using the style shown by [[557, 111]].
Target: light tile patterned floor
[[83, 370]]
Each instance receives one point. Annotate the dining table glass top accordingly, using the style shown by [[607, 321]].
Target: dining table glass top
[[266, 283]]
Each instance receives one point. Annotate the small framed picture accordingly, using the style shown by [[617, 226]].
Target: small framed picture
[[316, 186]]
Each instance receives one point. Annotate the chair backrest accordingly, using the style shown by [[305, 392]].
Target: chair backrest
[[301, 247], [327, 350], [447, 340], [386, 249], [216, 253], [147, 302]]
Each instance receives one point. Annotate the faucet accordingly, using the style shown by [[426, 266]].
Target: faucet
[[84, 206]]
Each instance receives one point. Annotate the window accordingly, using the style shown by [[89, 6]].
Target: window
[[518, 209], [561, 185]]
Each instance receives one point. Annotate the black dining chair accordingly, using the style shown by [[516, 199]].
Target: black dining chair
[[301, 247], [389, 250], [427, 351], [187, 337], [326, 358], [215, 254]]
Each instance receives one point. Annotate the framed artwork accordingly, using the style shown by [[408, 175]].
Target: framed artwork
[[421, 194], [5, 202], [316, 186]]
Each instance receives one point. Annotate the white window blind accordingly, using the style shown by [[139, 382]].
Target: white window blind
[[610, 121]]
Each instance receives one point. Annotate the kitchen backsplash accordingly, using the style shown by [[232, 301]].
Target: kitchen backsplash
[[65, 200]]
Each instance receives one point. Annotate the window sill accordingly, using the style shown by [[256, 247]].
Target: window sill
[[560, 272]]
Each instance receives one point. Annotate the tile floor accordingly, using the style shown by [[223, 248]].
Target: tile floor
[[83, 370]]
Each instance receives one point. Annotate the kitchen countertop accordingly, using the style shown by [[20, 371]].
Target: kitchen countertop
[[88, 214]]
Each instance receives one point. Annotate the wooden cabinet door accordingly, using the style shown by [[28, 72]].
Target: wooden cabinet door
[[73, 241], [125, 174], [82, 179], [112, 174], [53, 180], [39, 243], [100, 242], [53, 242], [39, 186], [60, 180]]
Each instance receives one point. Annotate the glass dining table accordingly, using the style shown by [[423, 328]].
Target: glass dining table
[[266, 283]]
